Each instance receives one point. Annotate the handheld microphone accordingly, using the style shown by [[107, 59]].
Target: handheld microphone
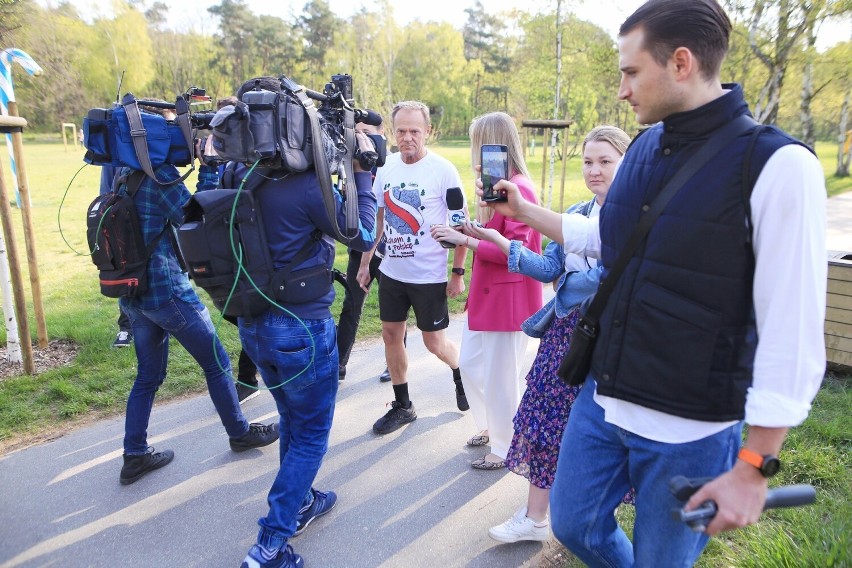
[[367, 116], [458, 214], [455, 203]]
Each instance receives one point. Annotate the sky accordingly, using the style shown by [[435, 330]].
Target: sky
[[608, 14]]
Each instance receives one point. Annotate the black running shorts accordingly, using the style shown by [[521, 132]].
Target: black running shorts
[[428, 300]]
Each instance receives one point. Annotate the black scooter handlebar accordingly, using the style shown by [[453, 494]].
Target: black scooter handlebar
[[698, 519]]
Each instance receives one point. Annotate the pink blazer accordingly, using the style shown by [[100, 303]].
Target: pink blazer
[[500, 300]]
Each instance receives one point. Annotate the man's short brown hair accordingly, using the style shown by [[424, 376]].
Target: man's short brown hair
[[701, 26]]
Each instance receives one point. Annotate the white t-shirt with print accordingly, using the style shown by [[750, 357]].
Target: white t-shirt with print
[[414, 198]]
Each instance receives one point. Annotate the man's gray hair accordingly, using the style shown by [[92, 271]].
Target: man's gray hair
[[412, 105]]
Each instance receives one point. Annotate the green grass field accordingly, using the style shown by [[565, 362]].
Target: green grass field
[[97, 382]]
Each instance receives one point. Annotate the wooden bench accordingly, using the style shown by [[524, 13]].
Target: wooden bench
[[838, 311]]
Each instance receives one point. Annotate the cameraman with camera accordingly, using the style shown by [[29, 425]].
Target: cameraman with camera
[[294, 344], [170, 306]]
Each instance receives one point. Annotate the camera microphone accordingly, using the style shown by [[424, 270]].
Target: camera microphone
[[367, 116], [455, 203], [457, 212]]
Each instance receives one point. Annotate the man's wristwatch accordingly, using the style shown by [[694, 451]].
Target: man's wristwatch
[[459, 271], [768, 465]]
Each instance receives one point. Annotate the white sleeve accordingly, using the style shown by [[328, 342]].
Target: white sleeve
[[581, 235], [788, 212], [377, 188]]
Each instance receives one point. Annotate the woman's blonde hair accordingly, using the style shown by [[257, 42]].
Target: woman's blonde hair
[[498, 128], [613, 135]]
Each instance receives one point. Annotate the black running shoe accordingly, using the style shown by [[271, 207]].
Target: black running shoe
[[136, 466], [385, 376], [259, 435], [461, 398], [395, 418]]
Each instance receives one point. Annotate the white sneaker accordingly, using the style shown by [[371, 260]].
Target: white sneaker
[[520, 527]]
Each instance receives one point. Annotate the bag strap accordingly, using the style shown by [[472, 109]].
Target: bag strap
[[351, 201], [139, 136], [183, 121], [229, 176], [304, 253], [322, 171], [132, 182], [748, 186], [719, 140]]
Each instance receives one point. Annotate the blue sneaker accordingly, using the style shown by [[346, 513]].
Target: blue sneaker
[[285, 558], [322, 504]]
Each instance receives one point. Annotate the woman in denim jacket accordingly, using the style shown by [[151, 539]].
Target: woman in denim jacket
[[546, 404]]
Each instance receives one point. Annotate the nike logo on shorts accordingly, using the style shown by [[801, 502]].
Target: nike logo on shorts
[[437, 322]]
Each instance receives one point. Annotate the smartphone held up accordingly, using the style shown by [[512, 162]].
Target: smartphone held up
[[495, 167]]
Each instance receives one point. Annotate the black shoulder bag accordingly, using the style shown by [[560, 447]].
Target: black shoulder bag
[[575, 366]]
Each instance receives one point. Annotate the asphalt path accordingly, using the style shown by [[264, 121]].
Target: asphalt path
[[409, 498]]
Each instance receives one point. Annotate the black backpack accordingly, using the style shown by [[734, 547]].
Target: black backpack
[[116, 241], [205, 243], [231, 261]]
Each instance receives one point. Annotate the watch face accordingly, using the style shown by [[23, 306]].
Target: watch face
[[771, 466]]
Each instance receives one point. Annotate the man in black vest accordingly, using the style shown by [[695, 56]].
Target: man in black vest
[[717, 317]]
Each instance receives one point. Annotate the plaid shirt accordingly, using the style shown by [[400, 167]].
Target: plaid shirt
[[156, 206]]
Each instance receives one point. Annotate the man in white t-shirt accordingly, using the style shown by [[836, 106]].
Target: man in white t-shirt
[[411, 189]]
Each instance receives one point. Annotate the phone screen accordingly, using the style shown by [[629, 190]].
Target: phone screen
[[495, 167]]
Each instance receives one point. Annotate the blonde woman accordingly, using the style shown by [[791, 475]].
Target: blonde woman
[[546, 405], [493, 345]]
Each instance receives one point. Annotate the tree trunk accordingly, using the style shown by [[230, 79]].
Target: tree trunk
[[13, 342], [557, 101], [844, 153], [786, 36], [806, 116]]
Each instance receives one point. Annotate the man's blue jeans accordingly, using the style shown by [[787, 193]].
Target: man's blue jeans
[[190, 324], [298, 362], [600, 462]]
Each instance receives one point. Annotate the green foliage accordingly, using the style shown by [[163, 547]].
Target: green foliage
[[487, 42], [318, 24], [590, 80], [497, 61], [10, 16], [445, 87]]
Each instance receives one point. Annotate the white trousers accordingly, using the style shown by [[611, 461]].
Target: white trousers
[[491, 364]]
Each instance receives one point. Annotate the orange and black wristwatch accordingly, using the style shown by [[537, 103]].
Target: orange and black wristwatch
[[767, 465]]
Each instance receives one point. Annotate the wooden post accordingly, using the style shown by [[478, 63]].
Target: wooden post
[[543, 162], [29, 231], [9, 123], [73, 127], [564, 165], [562, 125]]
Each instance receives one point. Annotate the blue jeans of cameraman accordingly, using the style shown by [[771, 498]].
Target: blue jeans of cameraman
[[298, 362], [190, 324], [599, 462]]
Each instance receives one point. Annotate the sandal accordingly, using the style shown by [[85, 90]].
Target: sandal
[[479, 440], [483, 463]]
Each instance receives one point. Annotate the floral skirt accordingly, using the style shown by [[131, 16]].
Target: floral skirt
[[544, 409]]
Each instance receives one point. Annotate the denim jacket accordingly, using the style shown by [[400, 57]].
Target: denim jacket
[[572, 289]]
